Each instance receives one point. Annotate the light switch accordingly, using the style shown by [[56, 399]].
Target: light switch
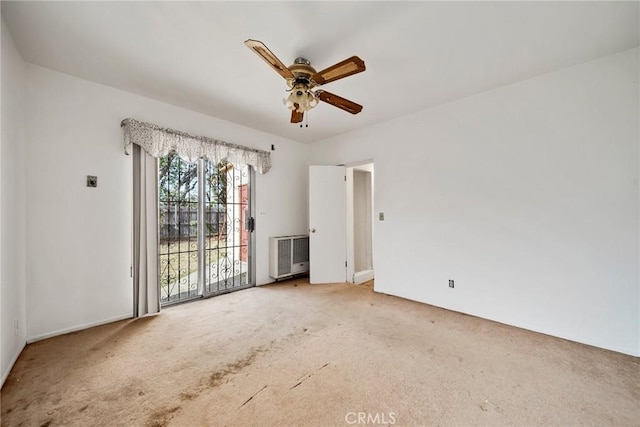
[[92, 181], [381, 216]]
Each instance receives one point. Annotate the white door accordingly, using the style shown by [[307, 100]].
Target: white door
[[327, 224]]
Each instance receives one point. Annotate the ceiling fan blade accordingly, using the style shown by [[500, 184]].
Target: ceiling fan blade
[[337, 101], [295, 116], [264, 52], [340, 70]]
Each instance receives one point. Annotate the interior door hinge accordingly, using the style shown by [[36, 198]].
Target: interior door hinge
[[251, 224], [345, 263]]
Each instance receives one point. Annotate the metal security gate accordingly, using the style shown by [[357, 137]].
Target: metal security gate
[[205, 228], [227, 239]]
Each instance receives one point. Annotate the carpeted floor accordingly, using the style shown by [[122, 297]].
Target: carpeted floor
[[300, 354]]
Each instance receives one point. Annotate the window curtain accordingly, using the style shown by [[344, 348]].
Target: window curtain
[[146, 292], [158, 142], [150, 142]]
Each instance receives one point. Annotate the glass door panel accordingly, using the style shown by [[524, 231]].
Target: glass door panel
[[178, 228]]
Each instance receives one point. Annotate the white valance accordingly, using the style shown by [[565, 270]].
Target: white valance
[[159, 142]]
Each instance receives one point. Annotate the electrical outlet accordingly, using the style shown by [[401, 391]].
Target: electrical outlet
[[451, 283]]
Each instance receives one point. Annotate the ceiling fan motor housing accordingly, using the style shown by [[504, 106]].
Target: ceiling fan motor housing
[[302, 70]]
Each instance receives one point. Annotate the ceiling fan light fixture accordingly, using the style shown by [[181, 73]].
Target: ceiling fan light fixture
[[301, 99]]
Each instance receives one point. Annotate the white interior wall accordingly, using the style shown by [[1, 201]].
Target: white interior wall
[[13, 203], [526, 196], [79, 238]]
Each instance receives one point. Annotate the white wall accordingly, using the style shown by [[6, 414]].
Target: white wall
[[526, 196], [79, 238], [13, 202]]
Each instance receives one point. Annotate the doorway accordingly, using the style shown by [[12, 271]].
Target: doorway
[[341, 238], [360, 222]]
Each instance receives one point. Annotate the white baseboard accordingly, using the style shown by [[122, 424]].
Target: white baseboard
[[76, 328], [362, 276], [13, 362]]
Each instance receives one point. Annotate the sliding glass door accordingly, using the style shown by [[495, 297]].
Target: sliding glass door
[[205, 227]]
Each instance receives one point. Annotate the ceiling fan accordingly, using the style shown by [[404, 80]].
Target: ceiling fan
[[303, 80]]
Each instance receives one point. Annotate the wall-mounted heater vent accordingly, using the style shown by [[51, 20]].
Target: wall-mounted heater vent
[[288, 256]]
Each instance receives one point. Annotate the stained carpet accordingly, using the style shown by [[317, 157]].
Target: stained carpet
[[317, 355]]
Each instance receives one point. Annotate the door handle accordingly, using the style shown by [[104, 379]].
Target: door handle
[[313, 230]]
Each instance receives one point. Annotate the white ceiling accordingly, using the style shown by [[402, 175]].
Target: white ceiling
[[418, 54]]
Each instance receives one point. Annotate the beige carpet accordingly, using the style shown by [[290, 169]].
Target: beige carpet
[[300, 354]]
